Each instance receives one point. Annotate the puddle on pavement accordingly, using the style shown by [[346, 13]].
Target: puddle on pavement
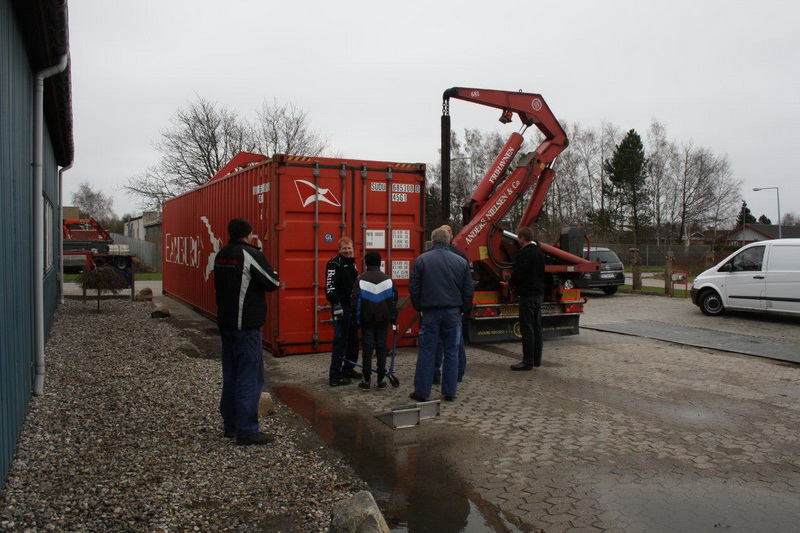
[[415, 489]]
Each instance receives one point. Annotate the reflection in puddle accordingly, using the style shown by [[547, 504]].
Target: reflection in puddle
[[416, 490]]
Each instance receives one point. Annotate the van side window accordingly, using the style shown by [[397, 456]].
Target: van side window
[[749, 260]]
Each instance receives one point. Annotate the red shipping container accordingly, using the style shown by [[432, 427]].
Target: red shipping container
[[299, 208]]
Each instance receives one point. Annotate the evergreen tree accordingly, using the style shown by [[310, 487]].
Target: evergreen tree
[[764, 220], [627, 171]]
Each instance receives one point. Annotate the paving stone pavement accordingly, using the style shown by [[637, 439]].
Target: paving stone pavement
[[614, 432]]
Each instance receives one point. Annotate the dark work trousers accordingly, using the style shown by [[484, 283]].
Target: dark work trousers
[[374, 338], [242, 380], [345, 345], [530, 321], [438, 325]]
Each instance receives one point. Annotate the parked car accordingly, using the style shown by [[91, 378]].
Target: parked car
[[611, 274], [763, 276]]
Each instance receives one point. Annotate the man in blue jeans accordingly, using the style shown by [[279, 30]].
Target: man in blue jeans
[[441, 289], [527, 278], [241, 276], [462, 352]]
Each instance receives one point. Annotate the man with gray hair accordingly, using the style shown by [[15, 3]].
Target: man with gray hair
[[441, 290], [462, 352]]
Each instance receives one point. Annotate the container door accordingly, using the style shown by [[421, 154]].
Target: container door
[[391, 204], [311, 217]]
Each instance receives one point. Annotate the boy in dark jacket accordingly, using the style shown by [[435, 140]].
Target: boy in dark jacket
[[374, 304]]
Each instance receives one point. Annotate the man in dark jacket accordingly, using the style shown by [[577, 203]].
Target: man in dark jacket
[[241, 276], [374, 303], [340, 276], [441, 289], [528, 279], [462, 352]]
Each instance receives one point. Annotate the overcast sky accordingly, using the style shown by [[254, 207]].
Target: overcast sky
[[724, 74]]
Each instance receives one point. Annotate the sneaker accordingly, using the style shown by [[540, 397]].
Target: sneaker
[[417, 398], [338, 382], [255, 440], [364, 385], [449, 398], [381, 385], [352, 374]]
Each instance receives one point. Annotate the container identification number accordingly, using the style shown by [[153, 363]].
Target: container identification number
[[409, 188]]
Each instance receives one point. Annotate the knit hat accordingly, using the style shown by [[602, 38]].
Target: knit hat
[[239, 228], [372, 259]]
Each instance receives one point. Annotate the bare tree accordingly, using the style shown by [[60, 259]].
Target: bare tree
[[202, 138], [661, 151], [790, 219], [94, 203], [284, 128]]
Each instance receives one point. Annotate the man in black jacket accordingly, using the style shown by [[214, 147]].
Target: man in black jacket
[[528, 279], [241, 276], [340, 276]]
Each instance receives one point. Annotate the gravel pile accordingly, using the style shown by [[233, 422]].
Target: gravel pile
[[128, 438]]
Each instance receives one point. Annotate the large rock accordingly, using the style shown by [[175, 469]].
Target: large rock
[[144, 295], [265, 404], [190, 350], [358, 514], [161, 312]]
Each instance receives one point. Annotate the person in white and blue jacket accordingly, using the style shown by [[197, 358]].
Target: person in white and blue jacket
[[374, 304]]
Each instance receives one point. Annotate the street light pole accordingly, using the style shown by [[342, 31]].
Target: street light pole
[[778, 195]]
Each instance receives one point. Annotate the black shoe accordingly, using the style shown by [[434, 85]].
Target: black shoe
[[338, 382], [437, 381], [417, 398], [364, 385], [521, 366], [352, 374], [449, 398], [460, 379], [381, 385], [230, 434], [255, 440]]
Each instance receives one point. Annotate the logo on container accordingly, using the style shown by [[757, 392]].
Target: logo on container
[[310, 193]]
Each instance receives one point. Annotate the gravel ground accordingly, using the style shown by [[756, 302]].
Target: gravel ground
[[128, 438]]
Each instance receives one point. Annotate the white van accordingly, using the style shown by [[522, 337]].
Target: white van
[[762, 276]]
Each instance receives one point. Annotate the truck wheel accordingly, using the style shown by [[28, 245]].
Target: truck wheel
[[711, 304], [610, 290]]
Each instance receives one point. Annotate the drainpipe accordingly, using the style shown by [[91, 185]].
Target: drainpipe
[[38, 215], [61, 230]]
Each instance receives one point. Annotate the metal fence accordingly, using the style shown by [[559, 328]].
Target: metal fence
[[694, 258], [148, 253]]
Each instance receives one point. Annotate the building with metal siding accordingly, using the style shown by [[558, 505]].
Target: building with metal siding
[[33, 36]]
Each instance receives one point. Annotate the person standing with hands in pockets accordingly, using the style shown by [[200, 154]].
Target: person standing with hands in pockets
[[374, 303], [527, 278]]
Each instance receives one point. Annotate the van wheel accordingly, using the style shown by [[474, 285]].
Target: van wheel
[[610, 290], [711, 304]]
